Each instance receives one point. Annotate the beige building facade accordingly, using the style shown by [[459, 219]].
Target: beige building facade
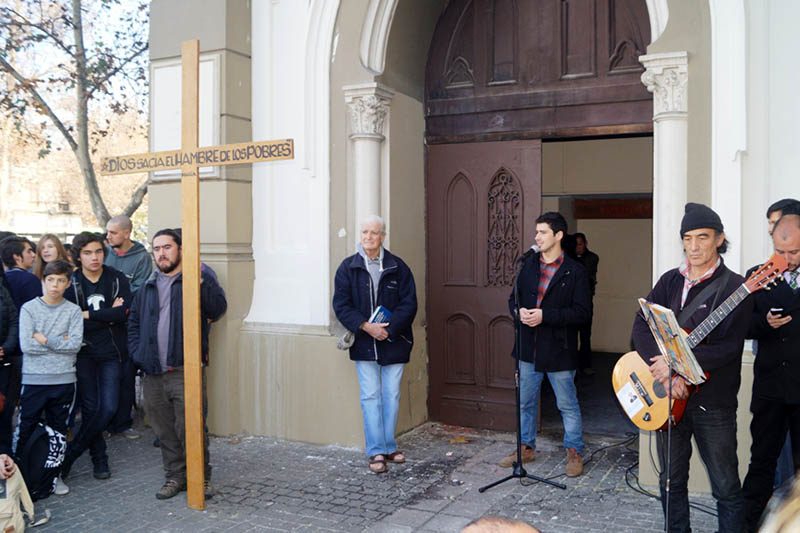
[[346, 80]]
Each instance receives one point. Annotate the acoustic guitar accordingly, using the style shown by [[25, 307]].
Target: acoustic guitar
[[631, 372]]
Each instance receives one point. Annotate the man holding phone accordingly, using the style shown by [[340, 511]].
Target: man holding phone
[[775, 404]]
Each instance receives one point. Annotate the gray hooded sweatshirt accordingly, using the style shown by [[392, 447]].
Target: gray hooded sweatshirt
[[52, 363], [136, 264]]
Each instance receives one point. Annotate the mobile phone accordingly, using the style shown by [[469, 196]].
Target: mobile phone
[[778, 311]]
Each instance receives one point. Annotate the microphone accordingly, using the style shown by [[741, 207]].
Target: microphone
[[532, 250]]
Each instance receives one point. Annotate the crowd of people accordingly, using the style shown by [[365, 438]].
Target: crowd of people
[[78, 322]]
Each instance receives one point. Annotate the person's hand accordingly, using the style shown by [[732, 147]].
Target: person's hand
[[118, 302], [7, 466], [530, 317], [41, 339], [659, 369], [680, 391], [2, 352], [85, 315], [376, 331], [776, 321]]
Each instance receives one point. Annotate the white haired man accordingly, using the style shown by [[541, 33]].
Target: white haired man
[[371, 278]]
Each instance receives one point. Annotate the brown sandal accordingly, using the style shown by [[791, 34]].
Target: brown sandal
[[377, 464], [396, 457]]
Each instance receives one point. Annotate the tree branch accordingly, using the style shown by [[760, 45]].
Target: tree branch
[[31, 90], [113, 72], [136, 198], [26, 22]]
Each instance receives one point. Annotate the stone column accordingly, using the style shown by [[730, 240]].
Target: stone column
[[368, 105], [666, 76]]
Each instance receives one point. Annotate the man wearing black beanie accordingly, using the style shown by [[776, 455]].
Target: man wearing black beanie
[[710, 415]]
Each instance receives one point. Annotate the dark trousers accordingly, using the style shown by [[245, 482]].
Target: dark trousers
[[54, 401], [164, 405], [714, 431], [585, 337], [9, 387], [98, 382], [123, 418], [771, 419]]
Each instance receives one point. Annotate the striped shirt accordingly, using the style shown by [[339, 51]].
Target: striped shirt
[[546, 273], [689, 283]]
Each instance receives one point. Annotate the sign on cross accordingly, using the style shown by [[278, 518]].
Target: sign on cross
[[189, 158]]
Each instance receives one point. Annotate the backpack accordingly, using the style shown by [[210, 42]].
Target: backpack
[[14, 492], [40, 462]]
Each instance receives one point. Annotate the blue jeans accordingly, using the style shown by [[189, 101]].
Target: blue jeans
[[98, 382], [714, 430], [563, 383], [380, 401]]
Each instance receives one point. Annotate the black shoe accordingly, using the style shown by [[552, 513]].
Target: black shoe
[[66, 466], [101, 470], [157, 442]]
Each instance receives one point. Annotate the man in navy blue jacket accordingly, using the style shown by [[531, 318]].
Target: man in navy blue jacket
[[155, 342], [366, 280], [18, 257], [554, 301]]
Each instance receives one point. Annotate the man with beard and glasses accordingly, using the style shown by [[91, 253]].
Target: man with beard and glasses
[[155, 343]]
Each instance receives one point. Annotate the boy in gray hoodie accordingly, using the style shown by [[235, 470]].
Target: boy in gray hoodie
[[50, 335]]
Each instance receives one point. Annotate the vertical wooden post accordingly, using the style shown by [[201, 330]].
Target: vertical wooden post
[[190, 202]]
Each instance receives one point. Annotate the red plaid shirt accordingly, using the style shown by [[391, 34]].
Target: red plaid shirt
[[689, 283], [546, 273]]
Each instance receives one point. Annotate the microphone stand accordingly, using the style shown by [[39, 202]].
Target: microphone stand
[[669, 447], [518, 470]]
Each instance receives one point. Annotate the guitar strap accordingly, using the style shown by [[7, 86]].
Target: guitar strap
[[715, 286]]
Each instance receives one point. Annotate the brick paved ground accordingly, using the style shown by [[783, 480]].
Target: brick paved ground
[[270, 485]]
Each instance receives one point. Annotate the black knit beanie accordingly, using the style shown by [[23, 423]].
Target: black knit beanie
[[698, 216]]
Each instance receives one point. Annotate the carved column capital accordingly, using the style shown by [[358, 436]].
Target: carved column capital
[[368, 105], [666, 76]]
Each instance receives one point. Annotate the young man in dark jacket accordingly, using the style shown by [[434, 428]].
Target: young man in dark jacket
[[155, 342], [775, 404], [104, 296], [554, 301], [710, 415], [18, 257], [364, 281], [9, 342]]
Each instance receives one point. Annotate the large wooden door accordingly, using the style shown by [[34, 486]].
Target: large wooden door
[[482, 201]]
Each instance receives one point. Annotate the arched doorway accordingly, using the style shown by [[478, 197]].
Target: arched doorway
[[504, 76]]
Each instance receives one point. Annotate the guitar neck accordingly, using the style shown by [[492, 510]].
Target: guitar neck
[[717, 316]]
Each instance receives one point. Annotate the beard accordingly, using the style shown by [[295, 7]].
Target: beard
[[169, 266]]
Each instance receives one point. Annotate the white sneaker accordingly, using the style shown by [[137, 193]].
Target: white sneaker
[[61, 487], [131, 434]]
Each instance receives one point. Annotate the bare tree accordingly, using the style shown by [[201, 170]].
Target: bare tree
[[93, 50]]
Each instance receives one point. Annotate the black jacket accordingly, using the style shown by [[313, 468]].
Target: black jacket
[[590, 262], [9, 324], [353, 305], [104, 332], [720, 353], [553, 345], [777, 366], [143, 322]]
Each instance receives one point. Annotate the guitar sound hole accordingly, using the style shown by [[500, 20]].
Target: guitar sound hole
[[659, 390]]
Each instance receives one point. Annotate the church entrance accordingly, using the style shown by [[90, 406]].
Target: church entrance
[[530, 106]]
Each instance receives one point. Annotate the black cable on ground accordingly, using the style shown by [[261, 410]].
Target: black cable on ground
[[631, 438]]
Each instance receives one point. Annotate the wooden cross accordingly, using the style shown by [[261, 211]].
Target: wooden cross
[[189, 158]]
